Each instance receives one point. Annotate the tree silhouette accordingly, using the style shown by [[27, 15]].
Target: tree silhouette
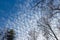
[[10, 34]]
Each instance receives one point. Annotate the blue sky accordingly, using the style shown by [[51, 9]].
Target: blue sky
[[9, 12], [7, 8], [20, 22]]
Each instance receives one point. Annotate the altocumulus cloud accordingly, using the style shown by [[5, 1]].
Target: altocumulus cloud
[[23, 21]]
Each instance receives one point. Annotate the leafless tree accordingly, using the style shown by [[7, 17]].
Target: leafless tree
[[44, 21]]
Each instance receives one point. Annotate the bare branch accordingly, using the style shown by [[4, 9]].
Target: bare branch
[[52, 31]]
